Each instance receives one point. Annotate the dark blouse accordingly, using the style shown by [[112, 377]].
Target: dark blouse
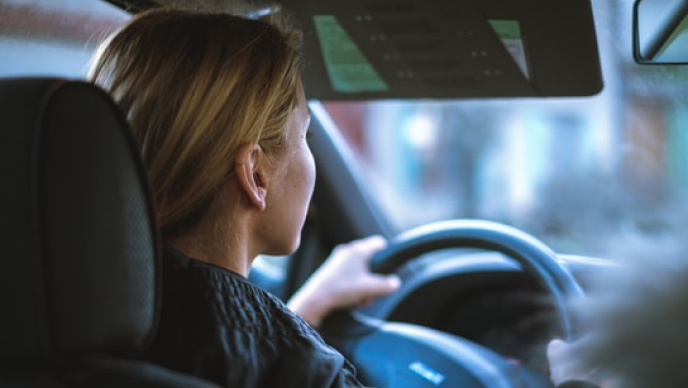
[[216, 325]]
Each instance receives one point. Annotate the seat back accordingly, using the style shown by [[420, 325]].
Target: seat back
[[80, 272]]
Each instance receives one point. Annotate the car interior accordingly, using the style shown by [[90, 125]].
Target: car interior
[[580, 105]]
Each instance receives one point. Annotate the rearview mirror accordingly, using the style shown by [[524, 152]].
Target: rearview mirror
[[660, 31]]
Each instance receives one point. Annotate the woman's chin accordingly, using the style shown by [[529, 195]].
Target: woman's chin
[[284, 250]]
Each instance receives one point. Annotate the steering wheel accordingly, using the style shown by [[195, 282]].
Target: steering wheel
[[396, 355]]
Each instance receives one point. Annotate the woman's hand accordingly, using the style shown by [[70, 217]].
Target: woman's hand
[[564, 366], [344, 280]]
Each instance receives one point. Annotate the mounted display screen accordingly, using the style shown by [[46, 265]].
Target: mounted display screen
[[357, 50]]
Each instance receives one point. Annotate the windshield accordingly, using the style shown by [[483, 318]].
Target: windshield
[[572, 171]]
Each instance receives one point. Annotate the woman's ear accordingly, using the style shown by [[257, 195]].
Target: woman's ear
[[251, 173]]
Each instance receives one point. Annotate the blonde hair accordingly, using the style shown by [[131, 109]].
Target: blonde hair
[[195, 88]]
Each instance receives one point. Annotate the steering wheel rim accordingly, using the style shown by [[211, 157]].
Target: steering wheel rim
[[536, 258], [351, 329]]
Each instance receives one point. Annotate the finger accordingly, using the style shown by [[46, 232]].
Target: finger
[[555, 348], [363, 248], [367, 247], [378, 285], [371, 243]]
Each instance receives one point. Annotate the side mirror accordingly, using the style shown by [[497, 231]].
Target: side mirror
[[660, 31]]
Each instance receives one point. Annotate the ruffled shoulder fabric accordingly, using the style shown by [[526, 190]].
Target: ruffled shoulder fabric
[[216, 325]]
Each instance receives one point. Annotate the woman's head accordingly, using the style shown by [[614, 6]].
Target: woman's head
[[196, 88]]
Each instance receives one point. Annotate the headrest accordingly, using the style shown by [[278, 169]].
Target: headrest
[[79, 249]]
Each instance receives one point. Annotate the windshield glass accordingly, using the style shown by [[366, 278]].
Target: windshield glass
[[572, 171]]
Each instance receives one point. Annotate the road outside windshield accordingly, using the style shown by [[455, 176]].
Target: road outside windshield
[[573, 172]]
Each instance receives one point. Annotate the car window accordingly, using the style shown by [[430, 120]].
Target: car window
[[53, 38], [572, 171]]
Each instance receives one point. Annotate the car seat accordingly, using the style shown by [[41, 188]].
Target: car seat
[[79, 282]]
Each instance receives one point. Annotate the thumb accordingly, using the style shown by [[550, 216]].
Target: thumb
[[556, 347]]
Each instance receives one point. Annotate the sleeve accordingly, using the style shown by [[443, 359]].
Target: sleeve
[[312, 366]]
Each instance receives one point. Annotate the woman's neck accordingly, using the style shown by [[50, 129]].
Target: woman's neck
[[223, 250], [223, 237]]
